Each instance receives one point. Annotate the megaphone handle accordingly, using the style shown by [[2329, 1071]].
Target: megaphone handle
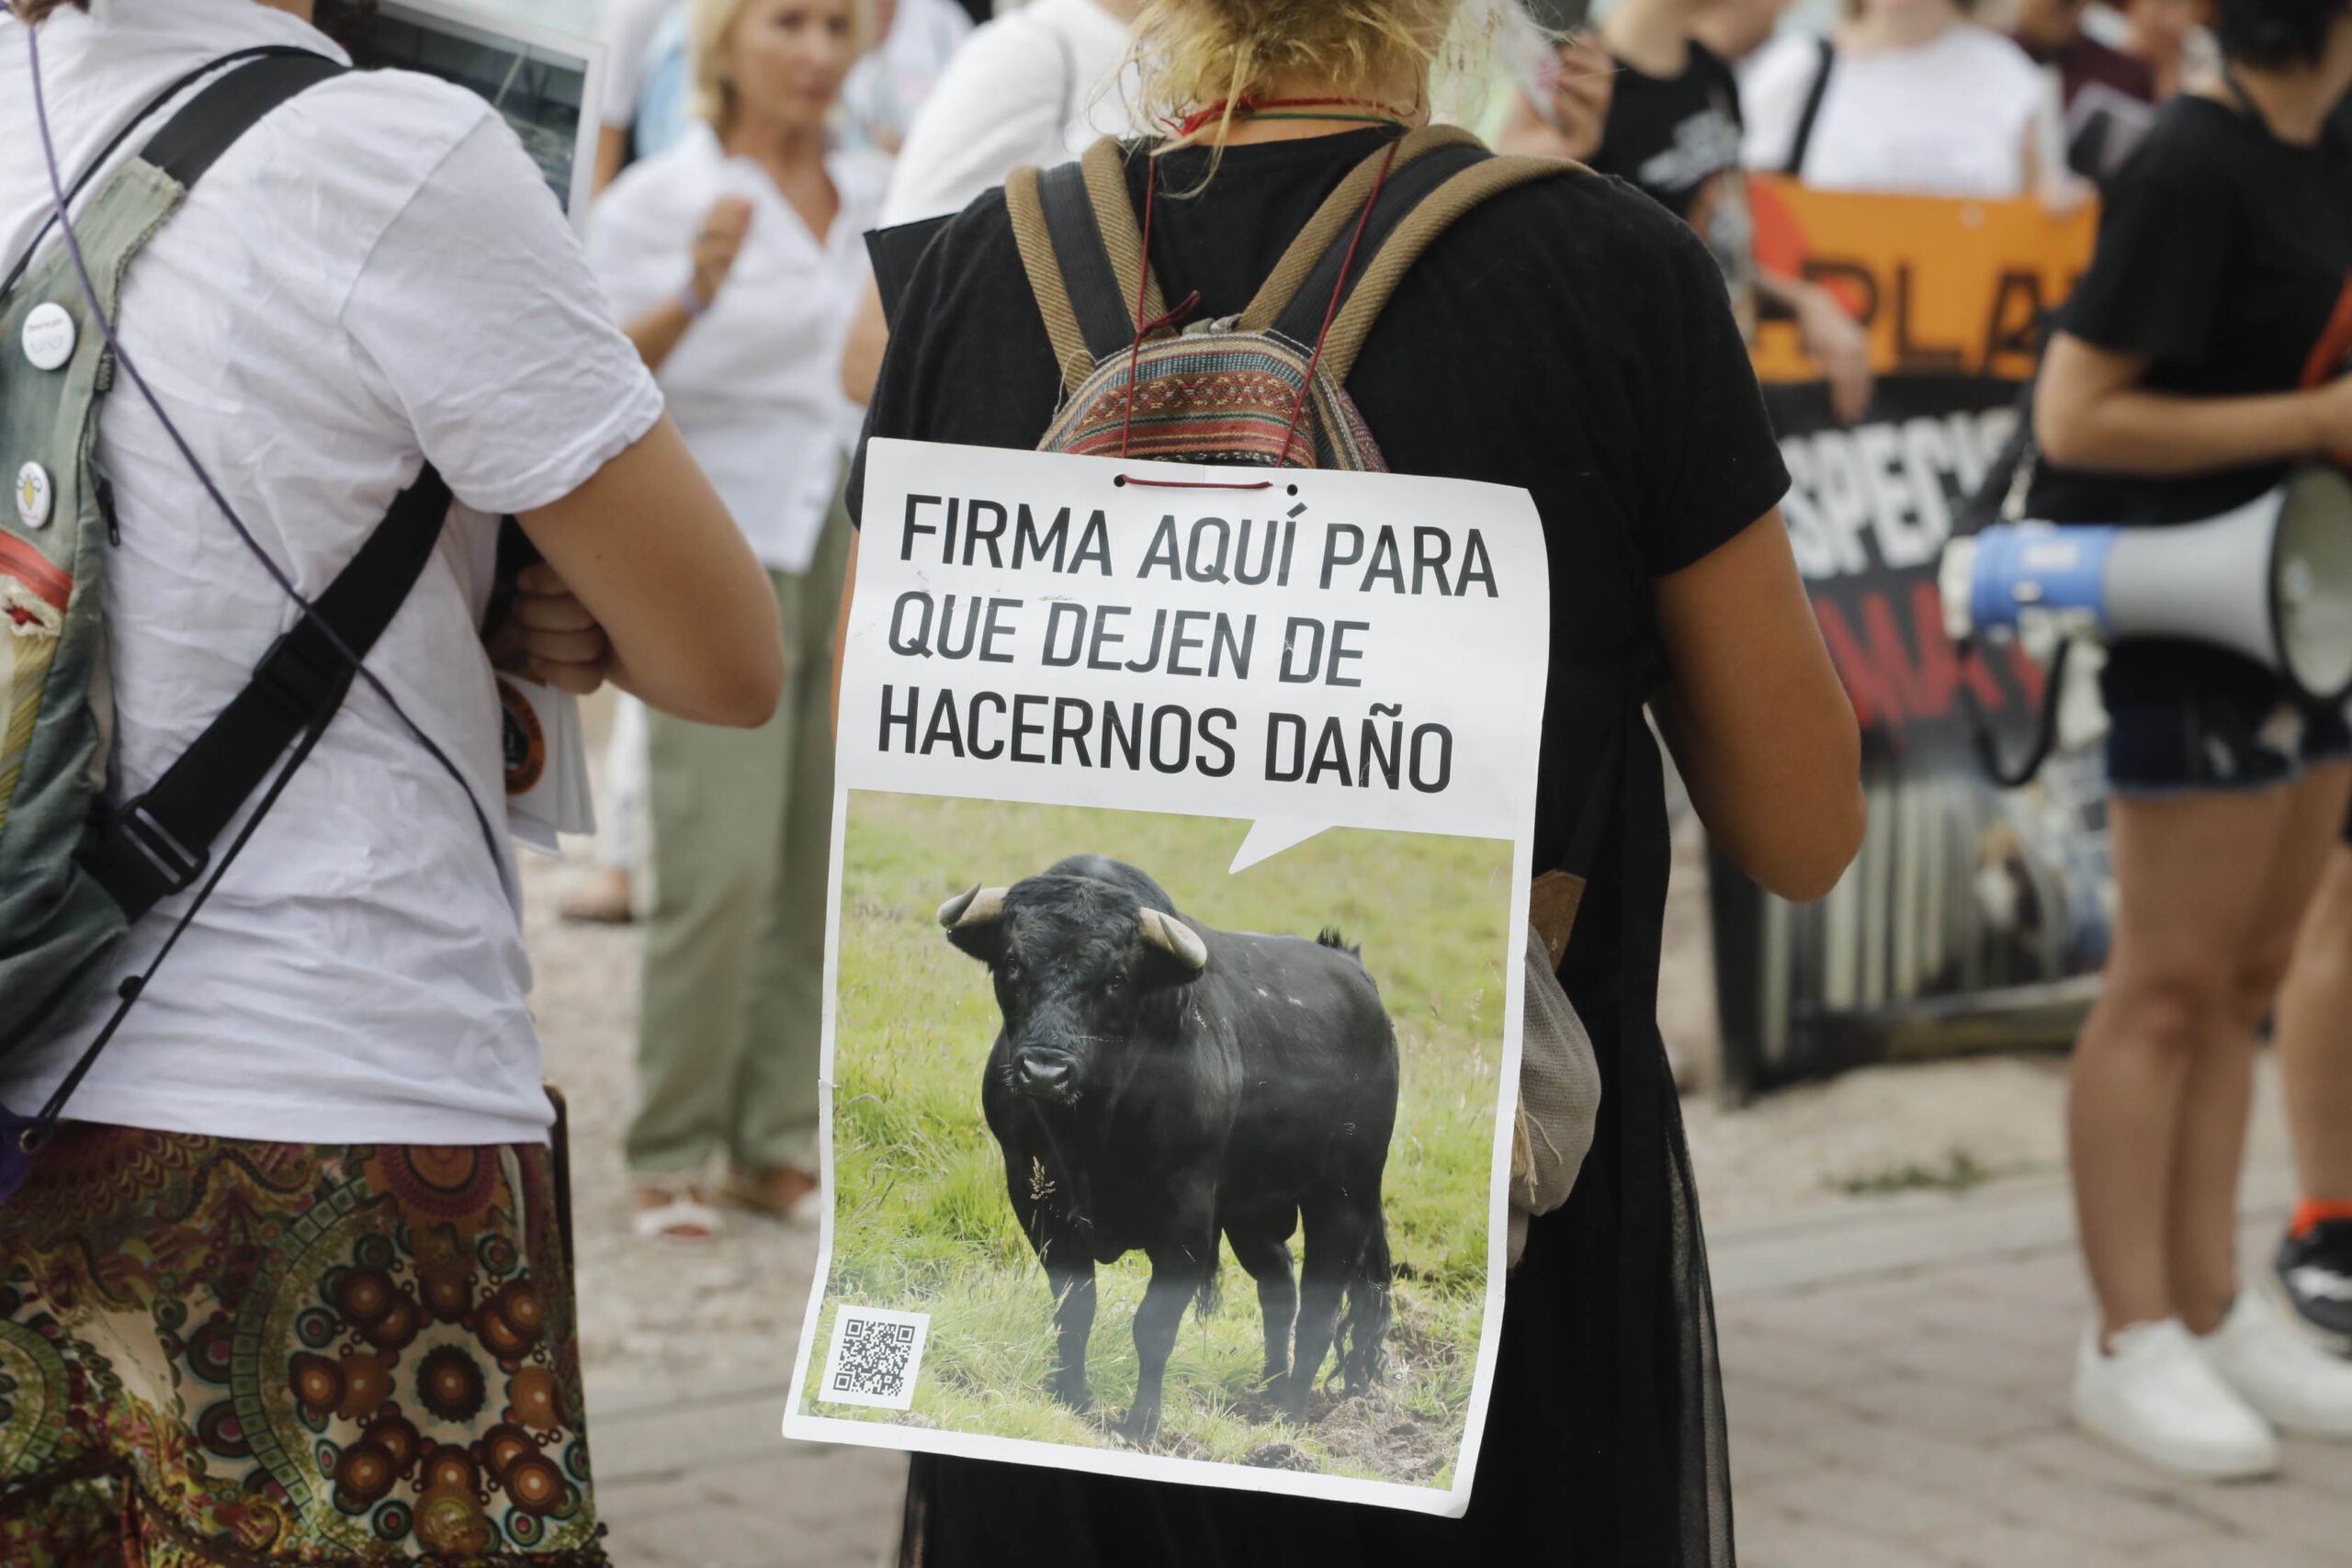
[[2045, 738]]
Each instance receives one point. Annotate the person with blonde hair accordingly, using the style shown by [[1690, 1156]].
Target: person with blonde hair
[[734, 259], [1570, 336]]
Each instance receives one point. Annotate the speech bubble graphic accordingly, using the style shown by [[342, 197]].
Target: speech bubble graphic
[[1270, 836]]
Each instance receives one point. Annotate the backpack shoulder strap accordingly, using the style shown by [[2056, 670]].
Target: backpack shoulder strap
[[146, 111], [1076, 229], [1800, 139], [230, 105], [1334, 224], [161, 842], [1412, 212]]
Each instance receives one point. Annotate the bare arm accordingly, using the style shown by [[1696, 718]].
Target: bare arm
[[1836, 341], [657, 332], [869, 335], [1758, 721], [2091, 412], [612, 147], [648, 550]]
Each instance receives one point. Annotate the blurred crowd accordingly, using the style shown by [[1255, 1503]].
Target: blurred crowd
[[748, 145]]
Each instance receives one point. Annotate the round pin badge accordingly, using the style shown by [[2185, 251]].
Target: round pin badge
[[35, 495], [48, 336]]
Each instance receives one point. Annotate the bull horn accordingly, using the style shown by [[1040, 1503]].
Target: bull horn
[[973, 907], [1177, 939]]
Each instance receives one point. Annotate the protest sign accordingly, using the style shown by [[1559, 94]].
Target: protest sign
[[1071, 1117], [1973, 917]]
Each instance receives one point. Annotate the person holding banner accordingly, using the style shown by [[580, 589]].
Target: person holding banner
[[1673, 130], [2200, 357], [1911, 97], [734, 259], [1570, 338]]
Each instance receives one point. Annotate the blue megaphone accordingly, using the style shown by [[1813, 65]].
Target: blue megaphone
[[2271, 580]]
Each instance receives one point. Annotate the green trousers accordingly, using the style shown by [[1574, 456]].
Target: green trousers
[[733, 995]]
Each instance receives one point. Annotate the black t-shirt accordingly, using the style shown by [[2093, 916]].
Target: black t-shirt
[[1673, 137], [1676, 140], [2225, 256], [1571, 337]]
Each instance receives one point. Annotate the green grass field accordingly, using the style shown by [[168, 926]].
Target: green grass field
[[923, 1223]]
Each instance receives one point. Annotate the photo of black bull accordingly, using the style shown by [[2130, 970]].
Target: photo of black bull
[[1157, 1084]]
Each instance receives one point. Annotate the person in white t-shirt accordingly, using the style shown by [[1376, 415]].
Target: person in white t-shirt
[[889, 87], [626, 28], [734, 260], [321, 1132], [1916, 100], [1036, 86]]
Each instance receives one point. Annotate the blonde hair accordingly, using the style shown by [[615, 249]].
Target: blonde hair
[[1190, 55], [708, 24]]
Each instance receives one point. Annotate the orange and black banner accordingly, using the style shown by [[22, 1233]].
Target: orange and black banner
[[1973, 917]]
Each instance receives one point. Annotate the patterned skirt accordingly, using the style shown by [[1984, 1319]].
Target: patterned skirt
[[219, 1353]]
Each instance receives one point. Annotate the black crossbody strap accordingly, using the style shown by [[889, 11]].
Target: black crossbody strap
[[146, 112], [160, 843], [228, 107], [1800, 141]]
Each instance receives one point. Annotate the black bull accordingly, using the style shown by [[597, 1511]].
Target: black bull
[[1157, 1083]]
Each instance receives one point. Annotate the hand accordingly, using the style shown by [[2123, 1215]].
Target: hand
[[723, 228], [1582, 82], [1839, 344], [550, 636]]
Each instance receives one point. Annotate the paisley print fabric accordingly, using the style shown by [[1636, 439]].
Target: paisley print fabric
[[216, 1353]]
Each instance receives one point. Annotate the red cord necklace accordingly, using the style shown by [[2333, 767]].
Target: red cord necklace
[[1256, 109]]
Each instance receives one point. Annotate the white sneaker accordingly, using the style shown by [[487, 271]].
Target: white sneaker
[[2158, 1399], [2279, 1372]]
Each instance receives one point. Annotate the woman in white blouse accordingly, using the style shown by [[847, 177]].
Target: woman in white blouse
[[733, 261], [1911, 97]]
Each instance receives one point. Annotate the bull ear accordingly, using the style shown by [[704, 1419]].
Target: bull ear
[[974, 922], [1182, 946]]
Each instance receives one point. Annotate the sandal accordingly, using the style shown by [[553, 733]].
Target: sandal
[[605, 897], [685, 1217], [797, 1204]]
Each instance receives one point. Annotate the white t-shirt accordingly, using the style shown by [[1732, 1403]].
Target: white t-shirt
[[1950, 118], [755, 383], [626, 29], [1036, 86], [374, 276]]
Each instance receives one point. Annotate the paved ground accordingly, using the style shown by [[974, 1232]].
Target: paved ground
[[1895, 1366], [1894, 1370], [1916, 1418]]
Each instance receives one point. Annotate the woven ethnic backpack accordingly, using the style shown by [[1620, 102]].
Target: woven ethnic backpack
[[1229, 390]]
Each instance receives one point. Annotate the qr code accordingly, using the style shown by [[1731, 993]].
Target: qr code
[[875, 1357]]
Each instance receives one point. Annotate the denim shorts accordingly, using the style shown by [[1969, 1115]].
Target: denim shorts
[[2219, 743]]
